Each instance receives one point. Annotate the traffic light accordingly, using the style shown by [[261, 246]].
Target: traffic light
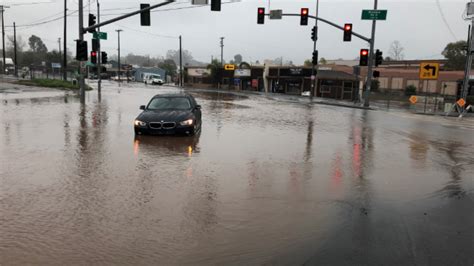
[[376, 74], [378, 57], [92, 21], [81, 50], [94, 57], [304, 16], [215, 5], [104, 59], [347, 32], [145, 16], [314, 33], [95, 45], [315, 58], [260, 15], [364, 57]]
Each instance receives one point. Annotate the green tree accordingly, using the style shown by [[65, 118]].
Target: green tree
[[215, 68], [170, 66], [456, 53], [323, 61], [237, 59], [308, 63], [37, 45]]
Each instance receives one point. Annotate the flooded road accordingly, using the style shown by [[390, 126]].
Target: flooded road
[[266, 182]]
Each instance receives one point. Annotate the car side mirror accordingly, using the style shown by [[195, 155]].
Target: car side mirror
[[198, 106], [142, 107]]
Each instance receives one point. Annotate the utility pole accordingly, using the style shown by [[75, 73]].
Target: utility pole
[[222, 51], [59, 71], [2, 10], [119, 66], [99, 56], [181, 80], [65, 42], [59, 43], [371, 61], [81, 38], [314, 72], [14, 48], [467, 71]]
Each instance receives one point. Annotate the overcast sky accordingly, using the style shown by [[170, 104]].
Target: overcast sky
[[423, 27]]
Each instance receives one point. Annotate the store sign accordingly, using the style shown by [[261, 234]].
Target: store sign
[[297, 72], [198, 72], [242, 73]]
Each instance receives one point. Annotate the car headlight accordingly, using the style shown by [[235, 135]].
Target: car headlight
[[140, 123], [188, 122]]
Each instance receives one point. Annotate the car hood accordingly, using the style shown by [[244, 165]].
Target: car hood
[[164, 115]]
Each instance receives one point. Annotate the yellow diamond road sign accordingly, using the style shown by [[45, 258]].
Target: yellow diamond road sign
[[461, 102], [413, 99], [229, 67], [429, 70]]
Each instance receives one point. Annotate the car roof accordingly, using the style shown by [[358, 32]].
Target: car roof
[[170, 95]]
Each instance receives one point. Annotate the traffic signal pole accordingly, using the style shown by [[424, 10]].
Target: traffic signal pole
[[99, 56], [81, 38], [83, 30], [314, 73], [371, 62]]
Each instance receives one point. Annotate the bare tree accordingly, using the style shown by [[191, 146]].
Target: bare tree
[[396, 51]]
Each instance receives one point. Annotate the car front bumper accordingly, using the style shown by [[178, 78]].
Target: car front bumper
[[178, 130]]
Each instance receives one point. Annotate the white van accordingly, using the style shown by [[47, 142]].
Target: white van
[[154, 79]]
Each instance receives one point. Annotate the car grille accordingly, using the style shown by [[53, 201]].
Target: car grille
[[155, 125], [162, 125], [169, 125]]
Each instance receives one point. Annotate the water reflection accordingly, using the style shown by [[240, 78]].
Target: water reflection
[[166, 145], [454, 164]]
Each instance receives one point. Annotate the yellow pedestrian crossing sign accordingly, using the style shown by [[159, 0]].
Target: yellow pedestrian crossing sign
[[429, 70]]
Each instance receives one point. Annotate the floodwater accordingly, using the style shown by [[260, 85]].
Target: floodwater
[[266, 182]]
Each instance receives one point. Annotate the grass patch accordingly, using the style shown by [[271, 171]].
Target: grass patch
[[51, 83]]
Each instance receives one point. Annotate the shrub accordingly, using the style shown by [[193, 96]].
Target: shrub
[[410, 90]]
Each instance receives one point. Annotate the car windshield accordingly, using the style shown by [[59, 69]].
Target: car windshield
[[169, 103], [155, 77]]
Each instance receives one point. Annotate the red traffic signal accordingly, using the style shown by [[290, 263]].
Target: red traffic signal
[[304, 16], [364, 57], [347, 32], [260, 15], [94, 57]]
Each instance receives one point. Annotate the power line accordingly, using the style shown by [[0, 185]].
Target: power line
[[438, 3]]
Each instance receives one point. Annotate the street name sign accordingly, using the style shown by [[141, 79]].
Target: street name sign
[[229, 67], [374, 14], [276, 14], [429, 70], [100, 35]]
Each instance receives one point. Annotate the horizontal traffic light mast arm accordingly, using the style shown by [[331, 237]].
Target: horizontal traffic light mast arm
[[84, 30], [327, 22]]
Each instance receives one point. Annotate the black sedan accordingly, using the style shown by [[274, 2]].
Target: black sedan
[[169, 114]]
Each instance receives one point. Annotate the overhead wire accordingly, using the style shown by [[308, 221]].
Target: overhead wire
[[443, 17]]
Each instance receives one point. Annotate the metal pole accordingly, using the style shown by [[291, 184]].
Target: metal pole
[[98, 25], [181, 80], [371, 61], [119, 66], [65, 42], [14, 48], [81, 38], [59, 70], [467, 71], [314, 73], [3, 40], [99, 55], [222, 51]]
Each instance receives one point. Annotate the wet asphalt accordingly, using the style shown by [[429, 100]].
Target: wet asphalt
[[268, 181]]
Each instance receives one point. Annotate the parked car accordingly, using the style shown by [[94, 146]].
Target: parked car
[[153, 79], [169, 114]]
